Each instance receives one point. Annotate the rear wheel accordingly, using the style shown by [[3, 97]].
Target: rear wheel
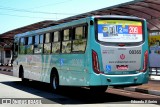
[[98, 89], [54, 82]]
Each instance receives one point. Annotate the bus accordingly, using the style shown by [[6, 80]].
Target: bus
[[94, 52]]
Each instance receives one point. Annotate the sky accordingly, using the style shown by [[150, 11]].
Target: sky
[[18, 13]]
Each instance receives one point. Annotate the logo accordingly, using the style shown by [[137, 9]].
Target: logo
[[61, 61], [122, 56], [21, 101], [29, 58], [6, 101], [108, 67]]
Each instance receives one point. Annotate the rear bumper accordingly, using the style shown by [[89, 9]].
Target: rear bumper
[[130, 79]]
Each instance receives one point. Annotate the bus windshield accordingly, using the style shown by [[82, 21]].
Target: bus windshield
[[125, 31]]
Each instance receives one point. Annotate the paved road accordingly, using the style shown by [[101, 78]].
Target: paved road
[[12, 87]]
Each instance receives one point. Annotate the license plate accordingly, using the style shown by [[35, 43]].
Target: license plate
[[122, 67]]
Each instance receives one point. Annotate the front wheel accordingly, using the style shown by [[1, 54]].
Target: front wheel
[[98, 89], [54, 82], [24, 80]]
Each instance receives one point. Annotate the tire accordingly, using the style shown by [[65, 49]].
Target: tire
[[98, 89], [24, 80], [54, 82]]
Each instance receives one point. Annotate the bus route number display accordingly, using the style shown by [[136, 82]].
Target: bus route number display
[[119, 31]]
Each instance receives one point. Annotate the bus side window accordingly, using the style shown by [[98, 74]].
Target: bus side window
[[21, 41], [37, 45], [66, 42], [36, 41], [29, 46], [80, 39], [56, 42], [15, 50], [41, 38], [26, 44], [47, 44], [22, 47]]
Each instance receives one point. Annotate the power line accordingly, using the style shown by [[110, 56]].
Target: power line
[[52, 4], [23, 10], [27, 16]]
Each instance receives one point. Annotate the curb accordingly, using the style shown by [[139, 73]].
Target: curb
[[134, 89]]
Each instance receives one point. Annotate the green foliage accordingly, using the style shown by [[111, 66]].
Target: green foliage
[[22, 49], [56, 47], [78, 42], [47, 48], [78, 36], [29, 49]]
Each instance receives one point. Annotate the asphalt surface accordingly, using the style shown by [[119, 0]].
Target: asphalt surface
[[12, 87]]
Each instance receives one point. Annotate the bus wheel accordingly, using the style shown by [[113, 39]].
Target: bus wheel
[[54, 82], [24, 80], [98, 89], [21, 75]]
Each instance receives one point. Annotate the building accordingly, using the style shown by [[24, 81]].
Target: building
[[7, 38], [5, 51]]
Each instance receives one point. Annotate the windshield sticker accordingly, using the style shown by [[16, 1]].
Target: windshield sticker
[[119, 31]]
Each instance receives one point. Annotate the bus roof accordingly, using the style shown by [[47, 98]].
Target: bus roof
[[71, 23], [50, 28]]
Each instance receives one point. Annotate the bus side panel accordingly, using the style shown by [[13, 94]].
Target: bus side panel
[[40, 66], [22, 60], [15, 68], [48, 63], [73, 69]]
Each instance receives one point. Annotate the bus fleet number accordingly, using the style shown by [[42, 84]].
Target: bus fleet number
[[134, 51]]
